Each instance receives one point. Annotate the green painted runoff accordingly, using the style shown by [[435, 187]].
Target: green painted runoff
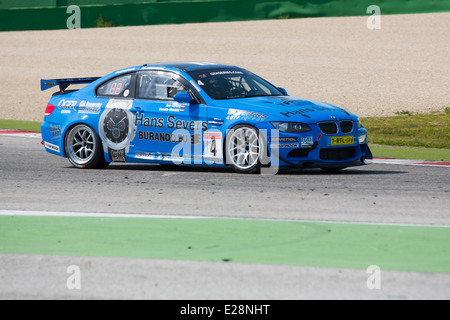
[[317, 244]]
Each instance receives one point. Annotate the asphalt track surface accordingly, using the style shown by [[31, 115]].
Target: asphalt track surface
[[380, 194]]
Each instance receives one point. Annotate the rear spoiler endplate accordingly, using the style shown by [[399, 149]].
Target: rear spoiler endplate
[[64, 83]]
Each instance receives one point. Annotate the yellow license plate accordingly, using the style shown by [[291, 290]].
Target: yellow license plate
[[341, 141]]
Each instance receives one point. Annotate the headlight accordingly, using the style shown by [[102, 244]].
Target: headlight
[[362, 138], [291, 126]]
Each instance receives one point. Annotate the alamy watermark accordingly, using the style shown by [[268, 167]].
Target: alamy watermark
[[74, 280], [374, 21], [374, 279], [73, 21]]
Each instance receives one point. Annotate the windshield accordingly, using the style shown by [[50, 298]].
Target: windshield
[[233, 83]]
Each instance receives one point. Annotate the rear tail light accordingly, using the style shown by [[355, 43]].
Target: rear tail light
[[49, 110]]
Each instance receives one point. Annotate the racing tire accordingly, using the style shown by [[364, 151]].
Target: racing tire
[[244, 149], [83, 148]]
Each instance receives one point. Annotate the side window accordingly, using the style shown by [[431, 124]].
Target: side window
[[158, 85], [117, 87]]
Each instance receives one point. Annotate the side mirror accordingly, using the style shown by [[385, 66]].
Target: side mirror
[[283, 91], [182, 97]]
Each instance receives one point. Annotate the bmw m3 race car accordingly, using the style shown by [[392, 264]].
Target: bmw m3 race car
[[196, 114]]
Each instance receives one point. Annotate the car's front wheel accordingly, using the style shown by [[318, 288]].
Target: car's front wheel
[[244, 149], [83, 148]]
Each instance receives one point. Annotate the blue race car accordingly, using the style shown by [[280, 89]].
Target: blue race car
[[196, 114]]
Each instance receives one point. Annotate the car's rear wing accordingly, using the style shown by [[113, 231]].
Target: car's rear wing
[[64, 83]]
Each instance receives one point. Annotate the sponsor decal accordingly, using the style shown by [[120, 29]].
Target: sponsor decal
[[51, 146], [143, 121], [55, 131], [169, 137], [307, 141], [89, 107], [212, 135], [173, 107], [117, 155], [303, 111], [145, 155], [284, 139], [211, 160], [171, 123], [116, 127], [216, 122], [284, 142], [218, 73], [234, 114], [298, 112], [291, 142], [67, 104], [149, 155], [212, 149], [159, 156], [285, 145]]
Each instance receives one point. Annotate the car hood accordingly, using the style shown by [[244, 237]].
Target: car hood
[[289, 108]]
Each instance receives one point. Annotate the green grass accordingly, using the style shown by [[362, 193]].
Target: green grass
[[428, 154], [410, 130], [20, 125]]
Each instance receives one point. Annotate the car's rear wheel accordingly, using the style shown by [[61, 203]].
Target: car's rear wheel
[[83, 148], [244, 149]]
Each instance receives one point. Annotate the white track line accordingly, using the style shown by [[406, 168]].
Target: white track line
[[91, 214], [19, 133], [411, 162], [151, 216]]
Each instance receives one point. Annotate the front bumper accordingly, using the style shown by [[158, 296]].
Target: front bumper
[[314, 149]]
